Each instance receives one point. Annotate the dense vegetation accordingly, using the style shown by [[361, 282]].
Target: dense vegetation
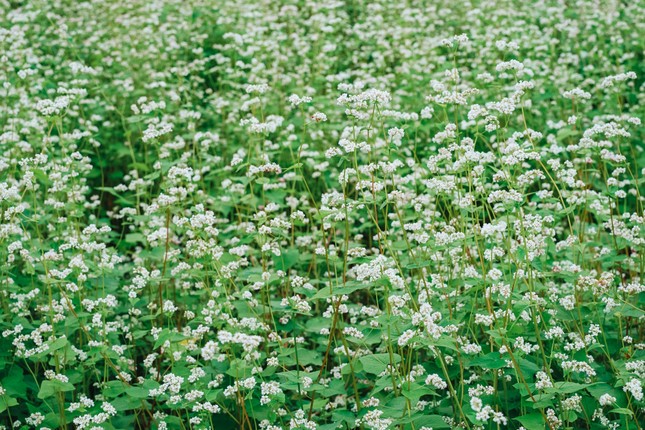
[[286, 214]]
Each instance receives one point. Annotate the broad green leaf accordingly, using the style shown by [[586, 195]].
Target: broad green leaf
[[7, 402], [492, 360], [50, 388], [533, 421], [377, 363]]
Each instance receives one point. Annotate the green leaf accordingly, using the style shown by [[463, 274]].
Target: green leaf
[[325, 293], [598, 389], [287, 259], [564, 133], [50, 388], [6, 402], [622, 411], [377, 363], [566, 387], [126, 403], [430, 421], [414, 392], [135, 237], [14, 383], [113, 389], [137, 392], [418, 265], [492, 360], [58, 344], [532, 421], [170, 336], [542, 400]]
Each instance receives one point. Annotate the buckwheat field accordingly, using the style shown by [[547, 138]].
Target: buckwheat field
[[280, 215]]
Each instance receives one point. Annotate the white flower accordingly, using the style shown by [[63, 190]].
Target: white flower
[[319, 117], [396, 134], [635, 388], [607, 400]]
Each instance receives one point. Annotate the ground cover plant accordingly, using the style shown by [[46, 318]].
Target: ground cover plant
[[286, 214]]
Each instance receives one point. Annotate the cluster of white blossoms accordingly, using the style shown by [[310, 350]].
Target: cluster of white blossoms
[[316, 215]]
